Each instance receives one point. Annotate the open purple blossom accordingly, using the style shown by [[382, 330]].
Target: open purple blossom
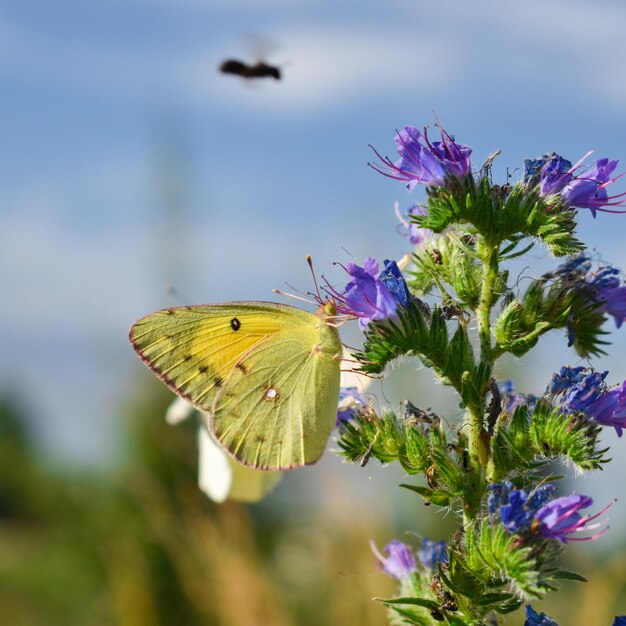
[[425, 163], [586, 190], [399, 562], [533, 168], [610, 409], [614, 303], [432, 552], [559, 519], [348, 407], [537, 619], [537, 514], [555, 174], [373, 295]]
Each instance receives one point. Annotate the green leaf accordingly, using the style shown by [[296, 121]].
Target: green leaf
[[434, 496], [427, 604], [565, 574]]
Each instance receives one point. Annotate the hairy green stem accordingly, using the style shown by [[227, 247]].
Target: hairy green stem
[[479, 442], [489, 254]]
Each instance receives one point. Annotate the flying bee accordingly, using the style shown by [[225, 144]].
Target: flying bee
[[260, 69]]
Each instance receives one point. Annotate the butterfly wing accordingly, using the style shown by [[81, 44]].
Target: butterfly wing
[[277, 408], [224, 358], [193, 349]]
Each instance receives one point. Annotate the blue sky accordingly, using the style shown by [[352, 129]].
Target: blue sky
[[109, 106]]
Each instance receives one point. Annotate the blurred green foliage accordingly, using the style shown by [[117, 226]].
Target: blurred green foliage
[[139, 545]]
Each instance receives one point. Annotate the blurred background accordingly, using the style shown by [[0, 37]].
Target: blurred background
[[134, 176]]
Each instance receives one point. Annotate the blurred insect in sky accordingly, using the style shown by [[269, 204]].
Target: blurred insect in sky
[[260, 69], [259, 48]]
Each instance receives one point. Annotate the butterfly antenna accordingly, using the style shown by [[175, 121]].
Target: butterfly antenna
[[280, 292], [317, 289]]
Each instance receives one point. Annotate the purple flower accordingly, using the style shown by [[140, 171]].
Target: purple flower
[[454, 157], [620, 620], [588, 394], [537, 619], [589, 191], [555, 174], [511, 400], [515, 507], [348, 408], [415, 233], [559, 519], [583, 191], [399, 562], [371, 295], [536, 514], [423, 162], [610, 409], [432, 552], [614, 303], [601, 287]]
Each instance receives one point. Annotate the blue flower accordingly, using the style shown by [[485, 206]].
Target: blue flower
[[514, 515], [432, 552], [371, 295], [399, 562], [620, 620], [348, 408], [607, 277], [559, 519], [584, 393], [566, 377], [392, 278], [498, 496], [423, 162], [588, 394], [537, 619], [515, 507]]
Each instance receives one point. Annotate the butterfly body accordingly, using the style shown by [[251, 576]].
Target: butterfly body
[[267, 375]]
